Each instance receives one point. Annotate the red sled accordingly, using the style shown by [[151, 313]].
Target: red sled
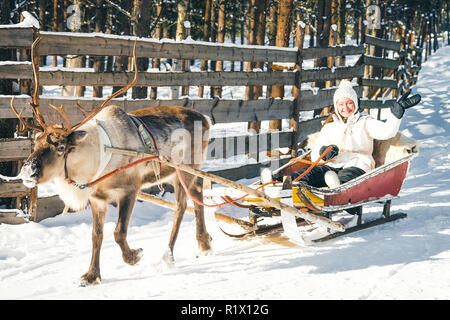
[[380, 185]]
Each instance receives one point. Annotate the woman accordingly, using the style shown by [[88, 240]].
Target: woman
[[351, 136]]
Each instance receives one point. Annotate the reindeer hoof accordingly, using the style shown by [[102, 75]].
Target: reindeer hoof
[[204, 243], [167, 262], [90, 280], [133, 257], [204, 253]]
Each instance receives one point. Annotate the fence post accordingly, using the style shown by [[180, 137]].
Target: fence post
[[294, 121]]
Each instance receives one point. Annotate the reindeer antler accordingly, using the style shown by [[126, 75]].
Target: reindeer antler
[[25, 125], [47, 129], [96, 110], [64, 115], [23, 128]]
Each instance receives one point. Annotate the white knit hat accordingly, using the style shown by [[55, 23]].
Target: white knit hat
[[346, 90]]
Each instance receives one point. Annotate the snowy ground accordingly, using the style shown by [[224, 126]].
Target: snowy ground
[[406, 259]]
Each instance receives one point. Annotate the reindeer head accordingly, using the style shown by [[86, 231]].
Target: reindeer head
[[53, 142]]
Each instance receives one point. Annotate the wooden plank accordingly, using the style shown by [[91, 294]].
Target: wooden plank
[[226, 110], [381, 62], [14, 149], [380, 83], [48, 207], [376, 104], [383, 43], [100, 44], [16, 70], [248, 171], [12, 189], [58, 76], [415, 68], [11, 218], [307, 127], [222, 112], [106, 45], [20, 103], [335, 73], [230, 146], [16, 37], [312, 53]]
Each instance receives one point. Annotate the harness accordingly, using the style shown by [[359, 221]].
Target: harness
[[148, 141], [105, 157]]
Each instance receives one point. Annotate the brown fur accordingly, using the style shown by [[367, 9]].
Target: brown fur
[[47, 163]]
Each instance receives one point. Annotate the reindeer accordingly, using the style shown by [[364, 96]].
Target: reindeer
[[71, 156]]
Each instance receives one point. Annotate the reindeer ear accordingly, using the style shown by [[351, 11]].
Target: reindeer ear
[[76, 137]]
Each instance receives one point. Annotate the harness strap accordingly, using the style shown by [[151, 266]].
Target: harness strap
[[105, 157], [149, 144], [146, 135]]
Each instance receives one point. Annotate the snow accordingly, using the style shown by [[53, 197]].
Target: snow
[[406, 259]]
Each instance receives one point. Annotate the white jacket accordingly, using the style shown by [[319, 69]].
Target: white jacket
[[354, 139]]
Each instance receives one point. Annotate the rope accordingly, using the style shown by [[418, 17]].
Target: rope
[[227, 199], [315, 163], [114, 172]]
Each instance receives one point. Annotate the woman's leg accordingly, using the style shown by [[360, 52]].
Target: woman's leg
[[315, 177], [349, 173], [346, 175]]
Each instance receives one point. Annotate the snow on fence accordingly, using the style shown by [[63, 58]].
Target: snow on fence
[[398, 74]]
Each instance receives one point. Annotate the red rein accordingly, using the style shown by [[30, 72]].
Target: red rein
[[227, 199]]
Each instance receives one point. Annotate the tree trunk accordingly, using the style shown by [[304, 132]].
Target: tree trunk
[[99, 61], [258, 35], [42, 22], [220, 39], [296, 92], [272, 35], [435, 32], [182, 8], [156, 62], [323, 37], [251, 38], [332, 41], [283, 29], [141, 14], [77, 18], [206, 35], [448, 24], [341, 28], [214, 8], [233, 30], [121, 62], [55, 26]]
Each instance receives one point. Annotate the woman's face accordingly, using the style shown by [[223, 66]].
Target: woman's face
[[345, 107]]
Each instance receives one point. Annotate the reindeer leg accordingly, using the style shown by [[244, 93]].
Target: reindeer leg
[[203, 237], [126, 205], [99, 209], [181, 204]]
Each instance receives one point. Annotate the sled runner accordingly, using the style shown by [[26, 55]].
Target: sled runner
[[380, 185]]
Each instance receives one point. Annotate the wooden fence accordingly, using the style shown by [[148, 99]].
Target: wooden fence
[[399, 74]]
